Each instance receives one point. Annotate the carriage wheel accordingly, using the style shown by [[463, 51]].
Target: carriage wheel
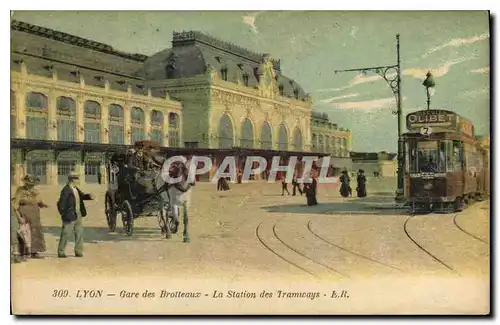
[[110, 211], [128, 218]]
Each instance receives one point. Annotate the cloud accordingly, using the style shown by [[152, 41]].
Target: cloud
[[249, 20], [457, 42], [420, 73], [417, 73], [475, 93], [326, 90], [481, 70], [332, 99], [367, 104]]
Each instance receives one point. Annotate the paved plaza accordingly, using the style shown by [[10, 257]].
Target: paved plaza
[[252, 231]]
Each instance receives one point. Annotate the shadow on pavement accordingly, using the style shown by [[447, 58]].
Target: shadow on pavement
[[361, 207], [95, 235]]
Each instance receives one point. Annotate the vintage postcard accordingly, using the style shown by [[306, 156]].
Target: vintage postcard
[[272, 162]]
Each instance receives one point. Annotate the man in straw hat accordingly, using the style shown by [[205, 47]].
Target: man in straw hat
[[71, 206]]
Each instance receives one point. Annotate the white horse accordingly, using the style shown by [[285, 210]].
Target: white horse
[[178, 196]]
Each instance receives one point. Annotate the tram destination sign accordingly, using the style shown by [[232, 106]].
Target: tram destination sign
[[432, 118]]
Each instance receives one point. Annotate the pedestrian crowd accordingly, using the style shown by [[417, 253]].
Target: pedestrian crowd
[[27, 237]]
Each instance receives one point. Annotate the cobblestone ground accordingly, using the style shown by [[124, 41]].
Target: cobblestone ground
[[252, 231]]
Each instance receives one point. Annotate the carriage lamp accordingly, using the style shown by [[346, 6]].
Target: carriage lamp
[[429, 83]]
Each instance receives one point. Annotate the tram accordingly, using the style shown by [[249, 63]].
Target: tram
[[446, 165]]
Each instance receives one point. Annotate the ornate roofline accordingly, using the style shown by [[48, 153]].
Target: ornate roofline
[[197, 36], [73, 40]]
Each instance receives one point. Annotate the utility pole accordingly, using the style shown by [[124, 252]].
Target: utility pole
[[392, 75]]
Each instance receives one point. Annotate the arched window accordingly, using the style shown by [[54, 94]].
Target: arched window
[[137, 125], [157, 126], [226, 133], [92, 121], [36, 102], [36, 116], [297, 139], [314, 142], [173, 130], [116, 124], [247, 134], [282, 138], [66, 119], [266, 137]]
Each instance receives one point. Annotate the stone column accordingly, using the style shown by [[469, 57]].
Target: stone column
[[126, 124], [165, 128], [80, 133], [105, 122], [20, 112], [52, 169], [80, 167], [147, 124], [181, 142], [52, 116]]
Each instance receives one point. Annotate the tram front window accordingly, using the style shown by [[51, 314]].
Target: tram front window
[[427, 156]]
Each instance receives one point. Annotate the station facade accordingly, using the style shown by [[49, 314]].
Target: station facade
[[73, 100]]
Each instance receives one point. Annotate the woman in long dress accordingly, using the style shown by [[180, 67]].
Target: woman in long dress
[[361, 182], [15, 233], [28, 203]]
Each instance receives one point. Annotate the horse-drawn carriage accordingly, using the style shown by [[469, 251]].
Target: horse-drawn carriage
[[135, 192]]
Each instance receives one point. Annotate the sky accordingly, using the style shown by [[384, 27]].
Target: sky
[[453, 46]]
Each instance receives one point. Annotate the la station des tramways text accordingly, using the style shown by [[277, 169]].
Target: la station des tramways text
[[74, 102]]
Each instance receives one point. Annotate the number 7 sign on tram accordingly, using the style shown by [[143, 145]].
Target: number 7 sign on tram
[[426, 130]]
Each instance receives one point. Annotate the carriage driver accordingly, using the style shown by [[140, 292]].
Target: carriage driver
[[142, 165]]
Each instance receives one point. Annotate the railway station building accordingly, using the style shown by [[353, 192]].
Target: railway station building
[[73, 101], [333, 140]]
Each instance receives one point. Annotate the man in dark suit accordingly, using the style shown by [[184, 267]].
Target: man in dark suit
[[72, 210]]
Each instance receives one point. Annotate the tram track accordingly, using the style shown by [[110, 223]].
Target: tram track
[[434, 257], [303, 255], [350, 251], [412, 235], [296, 251], [466, 232], [279, 255]]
